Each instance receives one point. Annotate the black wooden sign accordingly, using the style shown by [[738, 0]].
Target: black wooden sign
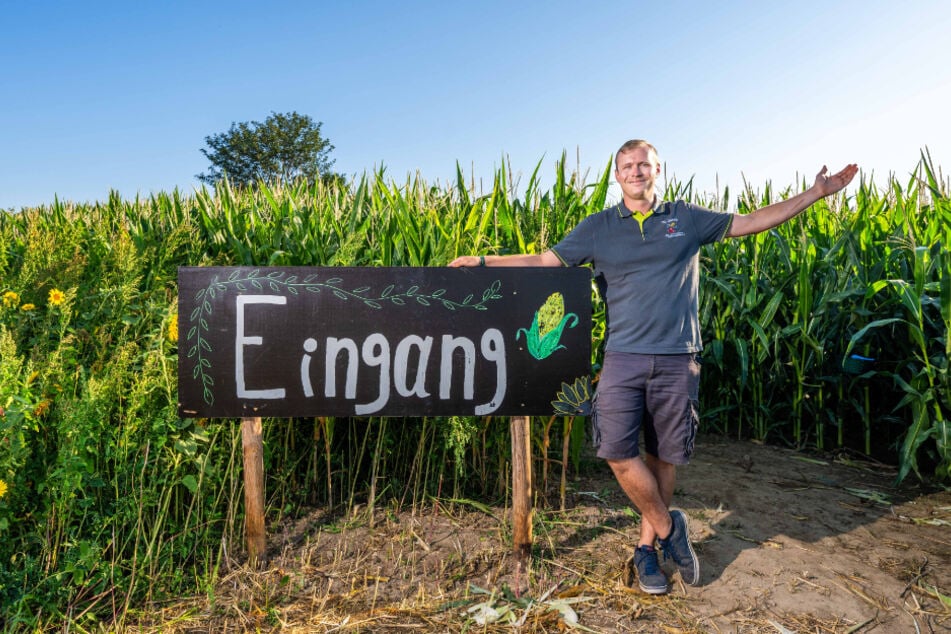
[[310, 341]]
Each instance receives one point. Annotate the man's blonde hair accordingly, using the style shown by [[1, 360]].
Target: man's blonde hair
[[632, 145]]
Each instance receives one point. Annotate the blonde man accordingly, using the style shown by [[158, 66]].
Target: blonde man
[[645, 258]]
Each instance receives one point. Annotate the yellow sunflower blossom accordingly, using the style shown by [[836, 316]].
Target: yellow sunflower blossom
[[11, 299], [56, 297], [3, 488], [28, 307], [172, 333]]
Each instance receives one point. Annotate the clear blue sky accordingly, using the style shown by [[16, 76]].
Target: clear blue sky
[[96, 96]]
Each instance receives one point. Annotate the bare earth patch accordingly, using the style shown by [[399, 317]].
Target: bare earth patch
[[787, 543]]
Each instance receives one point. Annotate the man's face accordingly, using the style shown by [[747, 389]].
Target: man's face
[[636, 172]]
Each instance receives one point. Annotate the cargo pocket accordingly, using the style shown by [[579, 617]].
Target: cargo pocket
[[691, 424]]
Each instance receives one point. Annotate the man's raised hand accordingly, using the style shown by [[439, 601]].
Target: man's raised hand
[[827, 185]]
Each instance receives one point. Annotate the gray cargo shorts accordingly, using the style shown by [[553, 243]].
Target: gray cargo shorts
[[656, 392]]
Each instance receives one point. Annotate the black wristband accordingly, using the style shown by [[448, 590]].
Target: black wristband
[[481, 260]]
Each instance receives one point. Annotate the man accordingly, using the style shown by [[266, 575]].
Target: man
[[645, 256]]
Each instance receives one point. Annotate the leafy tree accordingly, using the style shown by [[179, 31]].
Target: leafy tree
[[284, 147]]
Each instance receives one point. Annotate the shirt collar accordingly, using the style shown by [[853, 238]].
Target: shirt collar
[[658, 207]]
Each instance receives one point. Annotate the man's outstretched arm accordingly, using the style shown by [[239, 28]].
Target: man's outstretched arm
[[548, 258], [776, 214]]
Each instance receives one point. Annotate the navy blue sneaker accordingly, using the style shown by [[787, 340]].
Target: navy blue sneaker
[[650, 577], [677, 546]]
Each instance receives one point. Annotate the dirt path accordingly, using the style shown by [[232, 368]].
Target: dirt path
[[787, 544], [798, 542]]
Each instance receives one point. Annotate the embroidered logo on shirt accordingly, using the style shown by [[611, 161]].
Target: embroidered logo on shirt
[[672, 229]]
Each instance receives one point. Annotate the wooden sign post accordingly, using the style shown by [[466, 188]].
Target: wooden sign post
[[283, 342], [252, 445], [521, 488]]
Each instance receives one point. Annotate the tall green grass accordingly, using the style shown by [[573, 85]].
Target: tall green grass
[[112, 501]]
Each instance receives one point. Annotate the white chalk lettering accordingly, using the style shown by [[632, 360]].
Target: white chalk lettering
[[401, 363], [449, 345], [493, 349], [334, 347], [310, 345], [240, 341], [392, 368], [376, 352]]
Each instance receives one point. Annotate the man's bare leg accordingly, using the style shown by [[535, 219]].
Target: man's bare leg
[[647, 492], [665, 475]]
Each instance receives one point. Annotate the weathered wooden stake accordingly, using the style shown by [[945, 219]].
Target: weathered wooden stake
[[253, 445], [521, 488]]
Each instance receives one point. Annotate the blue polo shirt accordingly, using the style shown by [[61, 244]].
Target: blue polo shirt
[[648, 273]]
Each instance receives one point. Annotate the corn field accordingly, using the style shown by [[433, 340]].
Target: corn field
[[829, 333]]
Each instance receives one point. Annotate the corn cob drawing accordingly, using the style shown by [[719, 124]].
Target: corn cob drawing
[[544, 336]]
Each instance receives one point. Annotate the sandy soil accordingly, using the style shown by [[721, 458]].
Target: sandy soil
[[787, 543]]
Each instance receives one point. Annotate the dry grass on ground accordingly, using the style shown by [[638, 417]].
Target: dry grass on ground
[[787, 544]]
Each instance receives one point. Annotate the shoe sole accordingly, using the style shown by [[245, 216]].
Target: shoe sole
[[632, 573], [652, 589], [693, 554]]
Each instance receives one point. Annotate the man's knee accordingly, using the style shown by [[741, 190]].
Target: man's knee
[[624, 466]]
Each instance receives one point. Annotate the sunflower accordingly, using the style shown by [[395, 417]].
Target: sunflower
[[3, 488], [28, 307], [56, 297], [11, 299]]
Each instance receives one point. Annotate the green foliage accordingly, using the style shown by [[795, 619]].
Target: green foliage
[[282, 148], [460, 430], [111, 500], [784, 311]]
